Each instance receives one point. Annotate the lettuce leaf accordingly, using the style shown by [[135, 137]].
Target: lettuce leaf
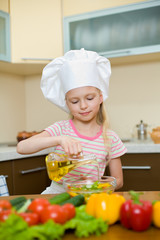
[[83, 225], [12, 228], [48, 231], [15, 228]]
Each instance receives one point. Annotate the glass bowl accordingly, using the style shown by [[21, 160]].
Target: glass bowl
[[87, 185]]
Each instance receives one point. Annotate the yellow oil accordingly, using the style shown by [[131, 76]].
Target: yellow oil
[[58, 168]]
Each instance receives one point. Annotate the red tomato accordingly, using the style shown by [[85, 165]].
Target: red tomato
[[70, 210], [4, 204], [54, 212], [30, 217], [4, 214], [38, 204]]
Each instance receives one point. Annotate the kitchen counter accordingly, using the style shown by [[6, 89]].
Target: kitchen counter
[[115, 231], [9, 153]]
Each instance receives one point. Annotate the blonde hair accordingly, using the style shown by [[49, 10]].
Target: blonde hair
[[102, 118]]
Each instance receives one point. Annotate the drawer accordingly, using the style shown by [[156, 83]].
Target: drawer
[[141, 172], [30, 175]]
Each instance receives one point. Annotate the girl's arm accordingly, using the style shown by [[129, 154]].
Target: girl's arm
[[115, 168], [45, 140]]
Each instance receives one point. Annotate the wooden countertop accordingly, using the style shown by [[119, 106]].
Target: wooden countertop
[[116, 231]]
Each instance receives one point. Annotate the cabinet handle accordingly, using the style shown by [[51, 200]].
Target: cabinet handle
[[32, 170], [136, 167], [37, 59]]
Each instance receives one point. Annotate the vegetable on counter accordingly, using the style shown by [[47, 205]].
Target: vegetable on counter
[[54, 212], [18, 202], [38, 205], [76, 201], [105, 206], [136, 214], [30, 218], [5, 204], [5, 210], [60, 198], [83, 225], [64, 198], [156, 214]]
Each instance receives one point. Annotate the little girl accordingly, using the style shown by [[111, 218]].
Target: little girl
[[78, 83]]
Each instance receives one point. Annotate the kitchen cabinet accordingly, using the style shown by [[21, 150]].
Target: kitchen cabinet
[[25, 176], [5, 37], [115, 32], [30, 175], [34, 36], [141, 172], [6, 170]]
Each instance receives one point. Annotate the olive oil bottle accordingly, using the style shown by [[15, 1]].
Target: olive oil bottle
[[58, 165]]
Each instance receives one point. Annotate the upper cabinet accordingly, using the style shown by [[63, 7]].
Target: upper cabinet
[[4, 36], [116, 32], [35, 32]]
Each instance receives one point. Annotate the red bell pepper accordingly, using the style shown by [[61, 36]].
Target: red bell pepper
[[136, 214]]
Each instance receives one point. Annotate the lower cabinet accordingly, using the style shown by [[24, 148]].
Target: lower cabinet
[[141, 172], [30, 175], [6, 170], [25, 176]]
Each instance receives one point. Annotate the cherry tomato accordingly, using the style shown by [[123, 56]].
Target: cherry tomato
[[4, 214], [54, 212], [38, 204], [30, 217], [4, 204], [70, 210]]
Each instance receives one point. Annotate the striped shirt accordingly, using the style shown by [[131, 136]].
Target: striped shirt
[[90, 145]]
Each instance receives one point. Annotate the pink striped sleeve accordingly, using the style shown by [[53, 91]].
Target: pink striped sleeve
[[117, 147], [54, 129]]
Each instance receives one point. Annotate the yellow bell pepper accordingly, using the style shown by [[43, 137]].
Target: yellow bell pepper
[[156, 214], [105, 206]]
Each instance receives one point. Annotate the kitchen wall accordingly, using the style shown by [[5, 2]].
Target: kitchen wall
[[133, 95], [12, 106], [40, 113]]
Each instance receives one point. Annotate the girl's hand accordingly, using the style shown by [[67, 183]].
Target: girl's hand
[[70, 145]]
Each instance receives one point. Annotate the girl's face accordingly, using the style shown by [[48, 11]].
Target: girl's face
[[84, 102]]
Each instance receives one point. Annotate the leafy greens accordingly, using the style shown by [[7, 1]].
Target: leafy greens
[[83, 225]]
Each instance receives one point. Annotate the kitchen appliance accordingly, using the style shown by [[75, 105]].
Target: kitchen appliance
[[142, 130]]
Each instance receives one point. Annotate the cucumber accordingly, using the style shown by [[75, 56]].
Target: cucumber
[[24, 207], [14, 202], [76, 201], [59, 198], [19, 205]]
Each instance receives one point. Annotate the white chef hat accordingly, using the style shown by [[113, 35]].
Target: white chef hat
[[77, 68]]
